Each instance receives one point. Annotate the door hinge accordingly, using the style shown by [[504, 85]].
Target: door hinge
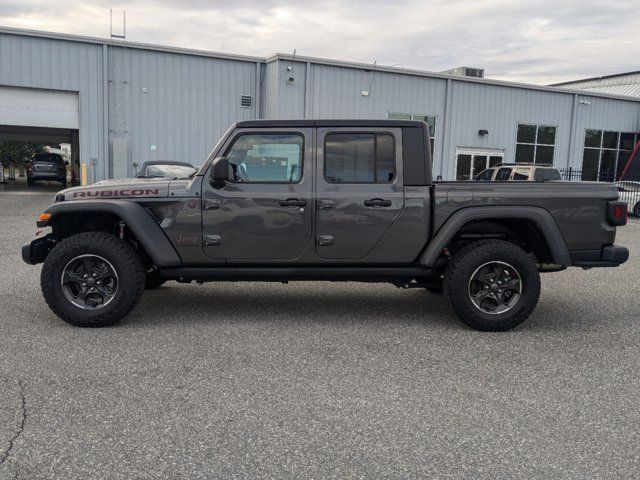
[[325, 204], [325, 240], [211, 204], [212, 240]]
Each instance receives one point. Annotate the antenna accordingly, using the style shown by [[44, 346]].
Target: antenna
[[124, 25]]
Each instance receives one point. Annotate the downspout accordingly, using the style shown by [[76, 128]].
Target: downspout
[[572, 133], [258, 88], [107, 168], [307, 92], [446, 138]]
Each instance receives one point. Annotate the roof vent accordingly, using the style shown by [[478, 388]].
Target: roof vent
[[466, 72], [246, 101]]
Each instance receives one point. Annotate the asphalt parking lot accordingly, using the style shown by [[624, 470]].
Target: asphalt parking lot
[[318, 380]]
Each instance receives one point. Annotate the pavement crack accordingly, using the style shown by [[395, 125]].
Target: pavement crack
[[23, 421]]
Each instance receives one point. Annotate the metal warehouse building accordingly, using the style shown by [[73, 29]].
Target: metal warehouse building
[[120, 104]]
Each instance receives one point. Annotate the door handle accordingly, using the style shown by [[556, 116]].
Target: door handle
[[377, 202], [293, 202]]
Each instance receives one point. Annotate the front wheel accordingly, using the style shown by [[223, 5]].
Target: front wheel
[[92, 279], [492, 285]]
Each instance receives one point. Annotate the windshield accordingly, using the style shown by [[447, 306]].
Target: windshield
[[168, 171], [46, 158]]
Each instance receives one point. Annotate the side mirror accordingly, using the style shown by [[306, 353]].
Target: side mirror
[[220, 171]]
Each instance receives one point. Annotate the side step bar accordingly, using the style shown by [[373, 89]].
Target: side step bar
[[283, 274]]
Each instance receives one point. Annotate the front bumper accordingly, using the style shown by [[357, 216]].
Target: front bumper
[[609, 256], [37, 250]]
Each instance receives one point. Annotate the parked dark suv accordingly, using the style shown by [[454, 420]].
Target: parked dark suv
[[47, 166]]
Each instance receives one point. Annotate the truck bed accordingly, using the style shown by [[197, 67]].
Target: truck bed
[[578, 208]]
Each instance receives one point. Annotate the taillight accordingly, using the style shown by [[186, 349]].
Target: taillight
[[617, 213]]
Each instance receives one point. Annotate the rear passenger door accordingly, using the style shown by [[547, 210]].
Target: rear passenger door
[[359, 190]]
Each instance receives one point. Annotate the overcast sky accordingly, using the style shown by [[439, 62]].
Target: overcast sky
[[541, 41]]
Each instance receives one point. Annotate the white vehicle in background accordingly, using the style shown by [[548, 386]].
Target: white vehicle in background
[[629, 191], [519, 172]]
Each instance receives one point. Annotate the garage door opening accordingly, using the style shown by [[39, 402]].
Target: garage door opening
[[43, 123], [38, 158]]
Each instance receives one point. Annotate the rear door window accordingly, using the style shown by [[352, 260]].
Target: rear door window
[[485, 176], [546, 175], [503, 174], [359, 158], [520, 174]]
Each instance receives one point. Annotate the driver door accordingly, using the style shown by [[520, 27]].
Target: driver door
[[264, 212]]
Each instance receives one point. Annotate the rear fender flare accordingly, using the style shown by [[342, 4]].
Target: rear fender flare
[[455, 222], [143, 226]]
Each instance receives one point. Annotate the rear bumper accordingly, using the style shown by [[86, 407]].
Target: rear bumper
[[47, 176], [609, 256]]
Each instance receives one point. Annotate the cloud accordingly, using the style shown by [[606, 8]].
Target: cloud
[[539, 42]]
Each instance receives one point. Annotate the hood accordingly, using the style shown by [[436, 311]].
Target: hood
[[118, 188]]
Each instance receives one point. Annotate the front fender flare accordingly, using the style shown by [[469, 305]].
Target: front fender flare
[[540, 216], [143, 226]]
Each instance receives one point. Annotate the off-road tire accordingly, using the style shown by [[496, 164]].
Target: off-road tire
[[153, 280], [459, 273], [118, 253]]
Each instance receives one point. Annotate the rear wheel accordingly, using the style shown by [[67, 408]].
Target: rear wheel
[[92, 279], [492, 285]]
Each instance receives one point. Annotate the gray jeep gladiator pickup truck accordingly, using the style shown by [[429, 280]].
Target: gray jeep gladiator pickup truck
[[334, 200]]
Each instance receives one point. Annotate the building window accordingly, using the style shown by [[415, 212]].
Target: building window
[[535, 143], [428, 119], [606, 154], [359, 158]]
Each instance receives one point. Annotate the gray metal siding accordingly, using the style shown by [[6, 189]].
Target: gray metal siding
[[336, 92], [603, 114], [627, 85], [192, 97], [271, 108], [34, 62], [188, 104], [499, 109]]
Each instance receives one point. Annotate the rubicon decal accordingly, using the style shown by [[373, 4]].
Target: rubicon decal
[[137, 192]]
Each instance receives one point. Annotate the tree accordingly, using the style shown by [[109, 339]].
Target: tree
[[18, 152]]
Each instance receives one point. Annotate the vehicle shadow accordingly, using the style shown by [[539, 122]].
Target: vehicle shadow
[[294, 303]]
